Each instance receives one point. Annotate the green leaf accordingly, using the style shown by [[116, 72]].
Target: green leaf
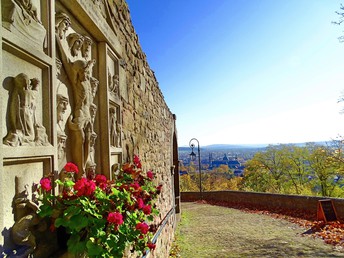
[[76, 246], [93, 249], [115, 192], [59, 182], [69, 183], [45, 211]]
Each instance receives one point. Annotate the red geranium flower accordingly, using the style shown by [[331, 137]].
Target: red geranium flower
[[136, 186], [71, 168], [150, 175], [45, 184], [101, 181], [137, 161], [147, 209], [84, 187], [115, 218], [140, 203], [142, 227]]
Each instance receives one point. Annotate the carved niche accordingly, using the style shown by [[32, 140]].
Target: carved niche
[[113, 77], [23, 125], [115, 128], [75, 52], [22, 17]]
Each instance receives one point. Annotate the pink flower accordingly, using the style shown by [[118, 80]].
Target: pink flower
[[147, 209], [84, 187], [136, 186], [142, 227], [45, 184], [71, 168], [101, 181], [115, 218], [150, 175], [140, 203], [137, 161]]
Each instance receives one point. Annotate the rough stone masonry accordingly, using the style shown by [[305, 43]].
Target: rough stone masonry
[[76, 87]]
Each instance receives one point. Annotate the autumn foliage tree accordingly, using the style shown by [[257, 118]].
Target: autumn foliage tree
[[288, 169]]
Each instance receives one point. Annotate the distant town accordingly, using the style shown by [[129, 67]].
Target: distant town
[[213, 156]]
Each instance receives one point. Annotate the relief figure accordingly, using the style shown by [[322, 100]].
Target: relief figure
[[26, 219], [21, 17], [22, 125], [115, 129], [74, 51]]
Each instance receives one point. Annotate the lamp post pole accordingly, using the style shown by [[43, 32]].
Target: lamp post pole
[[193, 155]]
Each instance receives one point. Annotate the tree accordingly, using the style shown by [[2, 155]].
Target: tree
[[298, 181], [267, 170], [323, 167], [187, 184], [340, 20]]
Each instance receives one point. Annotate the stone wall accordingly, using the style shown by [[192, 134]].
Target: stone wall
[[76, 86], [268, 201]]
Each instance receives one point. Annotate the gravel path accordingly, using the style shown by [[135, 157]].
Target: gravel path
[[214, 231]]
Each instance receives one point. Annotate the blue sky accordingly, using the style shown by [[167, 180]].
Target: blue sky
[[246, 71]]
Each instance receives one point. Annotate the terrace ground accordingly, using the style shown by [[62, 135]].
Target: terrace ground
[[213, 231]]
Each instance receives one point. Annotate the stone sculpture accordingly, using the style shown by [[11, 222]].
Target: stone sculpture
[[86, 47], [20, 16], [62, 23], [115, 130], [26, 219], [23, 127], [75, 53], [75, 42]]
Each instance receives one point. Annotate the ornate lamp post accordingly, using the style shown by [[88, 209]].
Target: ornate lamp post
[[193, 157]]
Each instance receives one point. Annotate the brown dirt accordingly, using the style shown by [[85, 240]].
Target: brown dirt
[[213, 231]]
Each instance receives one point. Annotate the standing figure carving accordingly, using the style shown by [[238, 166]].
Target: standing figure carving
[[62, 105], [74, 51], [115, 130], [113, 84], [22, 125]]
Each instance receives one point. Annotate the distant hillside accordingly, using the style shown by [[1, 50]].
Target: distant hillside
[[218, 147], [234, 146]]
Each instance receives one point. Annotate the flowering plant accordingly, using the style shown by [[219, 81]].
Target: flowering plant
[[103, 217]]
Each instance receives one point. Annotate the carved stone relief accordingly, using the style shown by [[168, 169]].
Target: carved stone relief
[[113, 76], [22, 17], [101, 6], [74, 50], [113, 84], [23, 127], [62, 112], [25, 212], [115, 127]]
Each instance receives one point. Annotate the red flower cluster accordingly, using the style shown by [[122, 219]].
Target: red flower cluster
[[115, 218], [84, 187], [147, 209], [101, 181], [136, 186], [140, 203], [142, 227], [45, 184], [150, 175], [137, 161], [71, 168]]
